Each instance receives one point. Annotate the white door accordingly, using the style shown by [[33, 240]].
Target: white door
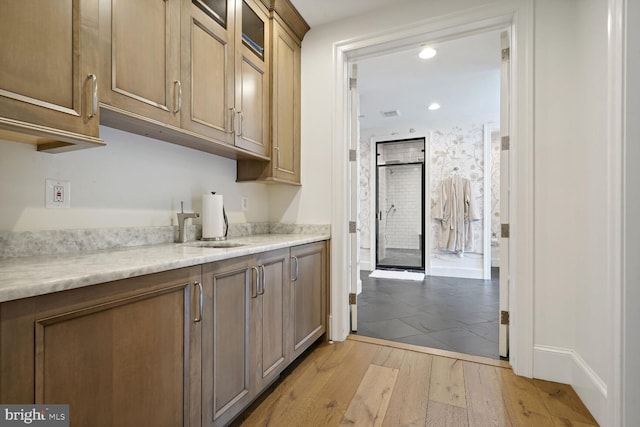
[[354, 233], [505, 80]]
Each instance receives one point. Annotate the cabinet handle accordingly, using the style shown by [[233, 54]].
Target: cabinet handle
[[178, 94], [94, 96], [296, 260], [241, 121], [200, 302], [254, 285], [232, 119], [264, 279], [277, 156]]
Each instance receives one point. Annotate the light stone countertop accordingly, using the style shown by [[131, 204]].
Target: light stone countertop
[[22, 277]]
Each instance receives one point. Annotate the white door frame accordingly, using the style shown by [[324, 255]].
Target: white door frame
[[519, 16]]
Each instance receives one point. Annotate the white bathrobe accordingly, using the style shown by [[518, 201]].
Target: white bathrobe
[[455, 209]]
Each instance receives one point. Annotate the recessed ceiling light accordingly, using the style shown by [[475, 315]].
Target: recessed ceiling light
[[427, 52], [434, 106]]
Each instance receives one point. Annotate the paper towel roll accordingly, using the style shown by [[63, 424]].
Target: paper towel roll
[[212, 216]]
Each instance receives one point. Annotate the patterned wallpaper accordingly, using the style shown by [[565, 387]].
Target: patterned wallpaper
[[459, 151], [461, 147]]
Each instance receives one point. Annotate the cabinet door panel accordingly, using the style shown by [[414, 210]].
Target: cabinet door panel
[[252, 77], [269, 316], [286, 106], [225, 341], [207, 73], [121, 363], [252, 130], [47, 52], [309, 287], [209, 78], [140, 51]]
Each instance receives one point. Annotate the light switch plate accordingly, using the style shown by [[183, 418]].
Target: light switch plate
[[57, 193]]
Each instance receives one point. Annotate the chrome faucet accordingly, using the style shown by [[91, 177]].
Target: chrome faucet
[[182, 220]]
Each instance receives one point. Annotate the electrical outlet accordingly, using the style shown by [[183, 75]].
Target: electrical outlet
[[57, 193], [245, 203]]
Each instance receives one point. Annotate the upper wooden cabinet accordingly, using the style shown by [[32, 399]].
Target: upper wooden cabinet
[[225, 66], [252, 77], [49, 73], [208, 31], [191, 72], [140, 58], [287, 29]]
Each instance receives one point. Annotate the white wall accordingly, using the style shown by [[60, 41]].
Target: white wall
[[573, 311], [631, 385], [312, 202], [572, 289], [133, 181]]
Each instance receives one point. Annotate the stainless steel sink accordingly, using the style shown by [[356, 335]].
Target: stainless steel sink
[[216, 244]]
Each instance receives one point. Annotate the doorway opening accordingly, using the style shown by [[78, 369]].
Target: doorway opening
[[400, 204], [456, 307]]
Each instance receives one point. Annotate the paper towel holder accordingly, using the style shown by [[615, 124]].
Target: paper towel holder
[[226, 228]]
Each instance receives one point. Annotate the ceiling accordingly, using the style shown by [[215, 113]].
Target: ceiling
[[464, 77], [319, 12]]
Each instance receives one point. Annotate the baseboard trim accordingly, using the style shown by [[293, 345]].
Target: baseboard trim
[[567, 366]]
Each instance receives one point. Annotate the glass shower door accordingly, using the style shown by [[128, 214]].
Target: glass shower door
[[400, 206]]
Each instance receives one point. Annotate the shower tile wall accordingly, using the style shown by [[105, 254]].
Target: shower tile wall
[[401, 186], [404, 219]]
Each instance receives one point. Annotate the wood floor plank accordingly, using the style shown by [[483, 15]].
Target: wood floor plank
[[432, 351], [321, 388], [408, 405], [522, 400], [563, 402], [443, 415], [389, 357], [369, 405], [291, 398], [447, 382], [563, 422], [334, 396], [485, 405]]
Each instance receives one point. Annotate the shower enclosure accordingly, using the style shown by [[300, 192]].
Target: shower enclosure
[[400, 183]]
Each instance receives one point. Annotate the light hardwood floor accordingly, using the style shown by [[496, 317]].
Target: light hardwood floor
[[369, 384]]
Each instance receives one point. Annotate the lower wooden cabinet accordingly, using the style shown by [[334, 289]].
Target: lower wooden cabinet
[[120, 354], [308, 296], [243, 341], [187, 347]]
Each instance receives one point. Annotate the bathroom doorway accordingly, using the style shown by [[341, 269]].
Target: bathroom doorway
[[400, 184]]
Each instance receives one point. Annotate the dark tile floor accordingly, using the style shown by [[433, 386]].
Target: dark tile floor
[[441, 312]]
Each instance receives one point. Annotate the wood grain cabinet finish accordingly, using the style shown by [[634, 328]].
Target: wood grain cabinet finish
[[49, 73], [252, 79], [124, 353], [271, 317], [187, 347], [308, 299], [140, 58], [285, 105], [243, 343], [226, 82]]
